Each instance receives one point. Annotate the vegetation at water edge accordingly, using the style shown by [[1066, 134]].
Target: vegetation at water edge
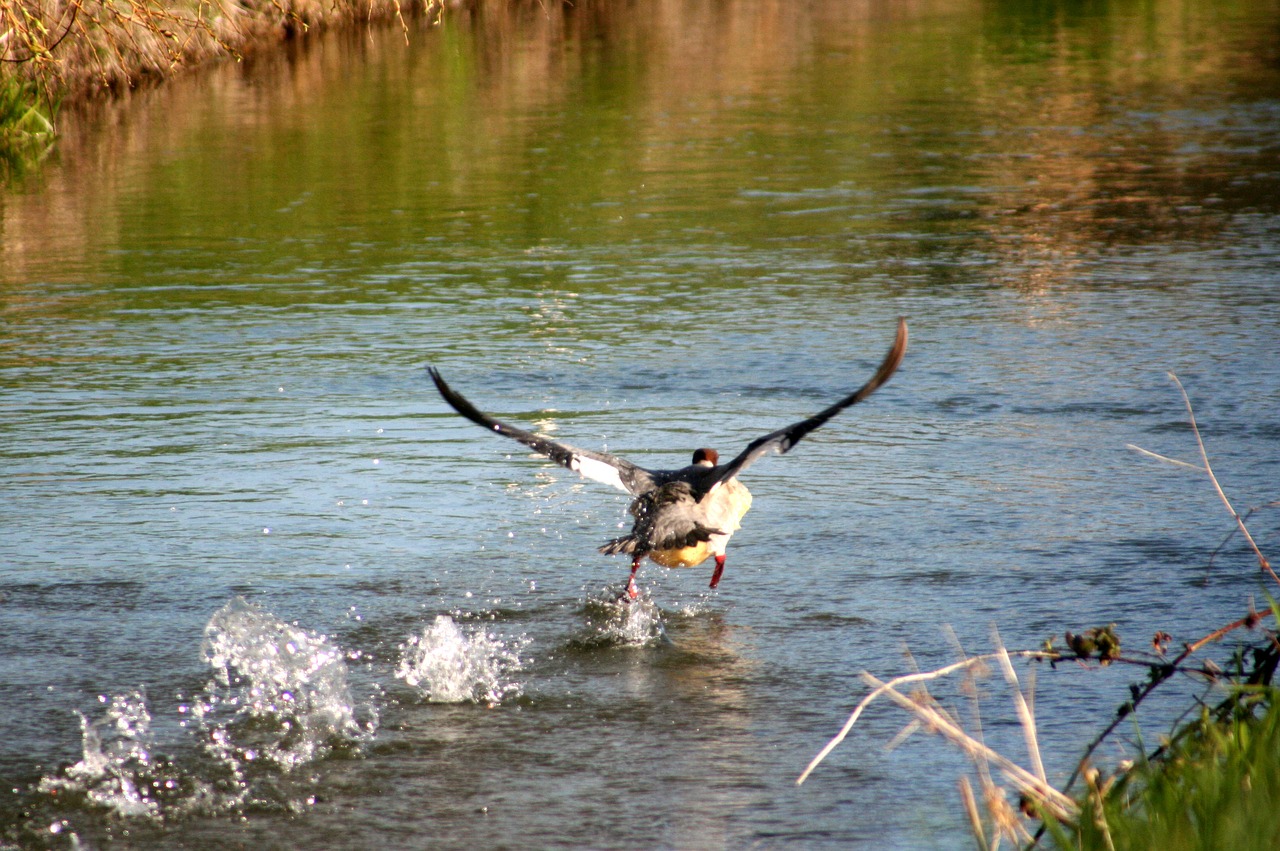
[[1213, 782], [57, 50]]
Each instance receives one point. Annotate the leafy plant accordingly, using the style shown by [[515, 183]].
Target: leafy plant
[[1217, 786]]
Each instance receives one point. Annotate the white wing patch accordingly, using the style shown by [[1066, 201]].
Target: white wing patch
[[598, 471]]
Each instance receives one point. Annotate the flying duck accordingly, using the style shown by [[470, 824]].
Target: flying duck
[[681, 516]]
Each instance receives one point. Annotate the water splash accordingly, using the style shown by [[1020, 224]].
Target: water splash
[[450, 666], [279, 693], [614, 621], [116, 771], [278, 699]]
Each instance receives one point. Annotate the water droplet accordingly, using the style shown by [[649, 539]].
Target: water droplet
[[452, 666], [264, 667]]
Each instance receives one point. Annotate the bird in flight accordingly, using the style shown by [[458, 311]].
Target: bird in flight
[[681, 516]]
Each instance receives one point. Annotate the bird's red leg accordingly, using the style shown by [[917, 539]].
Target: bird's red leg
[[715, 577], [632, 591]]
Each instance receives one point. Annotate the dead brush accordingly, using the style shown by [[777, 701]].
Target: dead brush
[[1038, 800], [75, 48]]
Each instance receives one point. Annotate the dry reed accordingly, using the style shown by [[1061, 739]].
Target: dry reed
[[76, 48], [1040, 798]]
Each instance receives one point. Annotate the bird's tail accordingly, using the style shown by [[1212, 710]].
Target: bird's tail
[[620, 545]]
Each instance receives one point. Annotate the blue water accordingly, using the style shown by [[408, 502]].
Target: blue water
[[297, 602]]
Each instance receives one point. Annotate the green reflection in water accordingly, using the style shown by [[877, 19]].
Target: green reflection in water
[[847, 133]]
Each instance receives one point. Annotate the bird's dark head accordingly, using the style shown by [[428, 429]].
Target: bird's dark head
[[706, 457]]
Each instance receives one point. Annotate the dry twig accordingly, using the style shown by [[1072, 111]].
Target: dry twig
[[963, 664], [1213, 479]]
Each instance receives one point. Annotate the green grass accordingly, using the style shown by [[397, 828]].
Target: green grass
[[1216, 787]]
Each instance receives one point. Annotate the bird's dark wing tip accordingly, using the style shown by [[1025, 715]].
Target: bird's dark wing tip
[[444, 389]]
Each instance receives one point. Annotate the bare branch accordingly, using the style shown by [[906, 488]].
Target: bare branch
[[947, 670], [1262, 560], [1165, 458]]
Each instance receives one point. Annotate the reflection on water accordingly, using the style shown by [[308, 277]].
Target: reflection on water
[[831, 121], [644, 230]]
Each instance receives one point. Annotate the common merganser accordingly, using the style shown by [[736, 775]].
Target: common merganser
[[681, 516]]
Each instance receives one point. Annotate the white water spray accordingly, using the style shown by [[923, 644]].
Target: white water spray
[[449, 665], [287, 683], [116, 770]]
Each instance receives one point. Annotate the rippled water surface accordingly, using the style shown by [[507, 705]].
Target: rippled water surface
[[259, 587]]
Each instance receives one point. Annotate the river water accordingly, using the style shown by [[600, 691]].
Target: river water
[[260, 587]]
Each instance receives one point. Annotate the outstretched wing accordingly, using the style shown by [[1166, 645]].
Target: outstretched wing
[[598, 466], [783, 439]]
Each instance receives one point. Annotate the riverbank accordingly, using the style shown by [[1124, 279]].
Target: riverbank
[[66, 51], [82, 49]]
